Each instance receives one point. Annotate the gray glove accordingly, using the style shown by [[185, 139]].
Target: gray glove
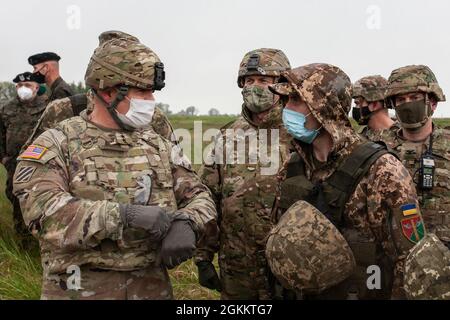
[[178, 245], [152, 219]]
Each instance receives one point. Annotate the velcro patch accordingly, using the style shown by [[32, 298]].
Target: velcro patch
[[413, 228], [24, 174], [409, 209], [33, 152]]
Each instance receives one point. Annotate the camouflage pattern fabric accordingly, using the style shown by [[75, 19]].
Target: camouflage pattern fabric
[[151, 283], [371, 88], [70, 183], [375, 214], [377, 135], [264, 62], [427, 270], [244, 197], [435, 204], [414, 78], [17, 122], [306, 252]]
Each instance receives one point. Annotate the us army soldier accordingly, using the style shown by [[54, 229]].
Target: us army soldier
[[107, 195], [243, 192]]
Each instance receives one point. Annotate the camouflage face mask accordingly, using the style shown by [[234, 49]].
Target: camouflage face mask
[[413, 115], [257, 99]]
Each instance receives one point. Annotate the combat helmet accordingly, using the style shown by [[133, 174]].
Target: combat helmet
[[306, 252], [262, 62]]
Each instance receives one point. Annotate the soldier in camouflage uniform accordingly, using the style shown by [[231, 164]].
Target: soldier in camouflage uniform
[[424, 149], [107, 197], [375, 207], [370, 110], [46, 68], [18, 118], [243, 191], [414, 93]]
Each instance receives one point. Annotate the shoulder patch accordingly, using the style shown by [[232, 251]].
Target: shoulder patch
[[33, 152], [413, 228], [24, 174], [409, 209]]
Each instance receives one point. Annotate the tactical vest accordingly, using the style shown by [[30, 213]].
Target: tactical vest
[[125, 168], [330, 197]]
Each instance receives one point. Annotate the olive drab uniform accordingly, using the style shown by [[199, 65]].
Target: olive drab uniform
[[70, 182], [244, 197], [18, 120], [59, 90], [434, 202], [374, 207]]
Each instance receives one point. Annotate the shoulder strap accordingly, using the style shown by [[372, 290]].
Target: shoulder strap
[[348, 175]]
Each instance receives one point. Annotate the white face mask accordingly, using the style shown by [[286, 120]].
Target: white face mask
[[140, 114], [25, 93]]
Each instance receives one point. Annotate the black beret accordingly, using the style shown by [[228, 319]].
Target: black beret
[[43, 57], [26, 76]]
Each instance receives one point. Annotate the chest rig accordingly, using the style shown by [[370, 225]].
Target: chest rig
[[330, 197]]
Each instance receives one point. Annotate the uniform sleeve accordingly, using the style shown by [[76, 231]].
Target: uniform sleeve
[[194, 199], [393, 213], [51, 212], [2, 137]]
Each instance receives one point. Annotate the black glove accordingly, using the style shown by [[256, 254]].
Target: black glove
[[152, 219], [178, 245], [207, 276]]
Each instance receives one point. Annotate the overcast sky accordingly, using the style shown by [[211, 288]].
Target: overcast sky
[[201, 42]]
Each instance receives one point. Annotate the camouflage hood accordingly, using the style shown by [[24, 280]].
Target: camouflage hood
[[326, 89], [371, 88]]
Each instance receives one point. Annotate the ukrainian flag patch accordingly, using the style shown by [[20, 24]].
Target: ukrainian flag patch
[[33, 152], [409, 209]]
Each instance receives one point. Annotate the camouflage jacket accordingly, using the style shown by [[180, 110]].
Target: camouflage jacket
[[70, 183], [375, 218], [62, 109], [243, 191], [59, 90], [376, 135], [17, 121], [435, 203]]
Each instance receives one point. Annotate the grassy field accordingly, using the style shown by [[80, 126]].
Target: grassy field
[[20, 272]]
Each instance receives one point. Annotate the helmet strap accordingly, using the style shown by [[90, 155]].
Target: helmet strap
[[121, 94]]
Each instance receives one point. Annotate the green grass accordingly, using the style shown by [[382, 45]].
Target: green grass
[[20, 271]]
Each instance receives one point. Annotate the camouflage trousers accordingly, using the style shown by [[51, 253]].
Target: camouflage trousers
[[152, 283], [246, 279]]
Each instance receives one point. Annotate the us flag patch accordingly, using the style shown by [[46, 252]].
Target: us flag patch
[[24, 174], [33, 152]]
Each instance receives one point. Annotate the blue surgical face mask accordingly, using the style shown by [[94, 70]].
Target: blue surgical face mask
[[294, 123]]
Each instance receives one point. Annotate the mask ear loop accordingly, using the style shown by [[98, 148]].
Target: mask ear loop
[[321, 125]]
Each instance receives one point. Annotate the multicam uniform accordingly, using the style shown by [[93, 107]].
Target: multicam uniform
[[243, 191], [71, 181], [377, 212]]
